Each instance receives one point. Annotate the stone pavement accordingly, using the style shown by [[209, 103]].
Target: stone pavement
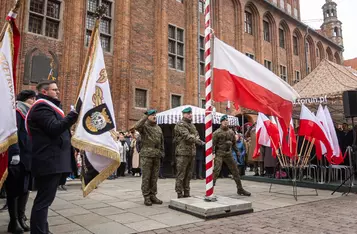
[[117, 207]]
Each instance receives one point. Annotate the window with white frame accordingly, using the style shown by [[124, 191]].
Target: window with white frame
[[250, 55], [202, 56], [105, 27], [175, 101], [297, 76], [267, 64], [248, 22], [283, 73], [141, 98], [45, 17], [201, 6], [176, 48]]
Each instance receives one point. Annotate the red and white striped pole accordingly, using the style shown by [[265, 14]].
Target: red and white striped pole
[[208, 119]]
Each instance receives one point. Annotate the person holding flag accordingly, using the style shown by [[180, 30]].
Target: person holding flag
[[49, 130], [223, 142]]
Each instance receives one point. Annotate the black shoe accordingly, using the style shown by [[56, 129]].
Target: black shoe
[[179, 195], [14, 226], [186, 194], [243, 192], [21, 205]]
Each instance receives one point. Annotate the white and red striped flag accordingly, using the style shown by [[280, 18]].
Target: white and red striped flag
[[311, 128], [267, 134], [337, 157], [9, 48], [249, 84], [287, 138]]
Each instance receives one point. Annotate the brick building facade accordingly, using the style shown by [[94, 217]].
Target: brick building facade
[[153, 49]]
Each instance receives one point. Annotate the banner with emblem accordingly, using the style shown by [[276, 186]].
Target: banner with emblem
[[9, 46], [95, 132]]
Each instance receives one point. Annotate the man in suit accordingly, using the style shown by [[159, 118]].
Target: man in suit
[[49, 130]]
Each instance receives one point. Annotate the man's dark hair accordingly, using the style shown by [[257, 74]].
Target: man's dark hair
[[44, 85]]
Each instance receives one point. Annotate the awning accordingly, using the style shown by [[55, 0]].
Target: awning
[[174, 115]]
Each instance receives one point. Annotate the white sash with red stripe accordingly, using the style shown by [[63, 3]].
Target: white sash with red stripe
[[39, 101]]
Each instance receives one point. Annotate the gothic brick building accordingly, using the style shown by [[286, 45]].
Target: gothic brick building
[[154, 48]]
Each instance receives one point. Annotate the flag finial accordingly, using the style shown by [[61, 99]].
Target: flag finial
[[101, 10]]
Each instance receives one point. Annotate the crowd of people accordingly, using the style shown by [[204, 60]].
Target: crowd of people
[[43, 159]]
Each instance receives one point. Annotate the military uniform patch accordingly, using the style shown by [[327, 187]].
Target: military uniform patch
[[98, 120]]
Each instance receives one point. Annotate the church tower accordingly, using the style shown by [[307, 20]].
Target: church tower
[[332, 27]]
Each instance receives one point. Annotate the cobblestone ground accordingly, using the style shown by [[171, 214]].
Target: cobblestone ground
[[116, 207], [336, 215]]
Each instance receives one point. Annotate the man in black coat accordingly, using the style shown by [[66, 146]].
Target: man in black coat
[[18, 181], [49, 130]]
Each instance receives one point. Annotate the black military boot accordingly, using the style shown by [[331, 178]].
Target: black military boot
[[186, 194], [147, 201], [155, 200], [21, 207], [14, 226], [242, 192], [179, 195]]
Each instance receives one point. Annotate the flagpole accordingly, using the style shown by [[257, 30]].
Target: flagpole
[[14, 10], [99, 14], [208, 118]]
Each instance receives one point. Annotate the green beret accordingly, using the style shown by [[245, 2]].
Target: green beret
[[187, 110], [150, 112], [224, 117]]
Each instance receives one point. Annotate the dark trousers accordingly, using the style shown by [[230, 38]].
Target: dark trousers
[[129, 159], [46, 193], [121, 169]]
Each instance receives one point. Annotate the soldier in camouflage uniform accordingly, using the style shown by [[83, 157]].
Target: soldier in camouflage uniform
[[223, 141], [186, 137], [152, 141]]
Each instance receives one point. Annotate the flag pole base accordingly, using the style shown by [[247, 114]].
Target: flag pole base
[[210, 198], [223, 207]]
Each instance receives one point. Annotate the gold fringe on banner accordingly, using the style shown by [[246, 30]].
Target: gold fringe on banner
[[8, 141], [103, 175], [4, 176], [96, 149]]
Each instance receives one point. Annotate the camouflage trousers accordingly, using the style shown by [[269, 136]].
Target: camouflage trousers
[[184, 173], [232, 166], [150, 172]]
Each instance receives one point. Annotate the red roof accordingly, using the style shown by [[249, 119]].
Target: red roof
[[351, 63]]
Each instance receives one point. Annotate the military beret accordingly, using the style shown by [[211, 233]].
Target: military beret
[[25, 94], [224, 117], [150, 112], [187, 110]]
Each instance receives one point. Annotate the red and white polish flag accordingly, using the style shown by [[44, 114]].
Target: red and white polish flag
[[267, 134], [311, 128], [249, 84], [337, 157], [287, 137]]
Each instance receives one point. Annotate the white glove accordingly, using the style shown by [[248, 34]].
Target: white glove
[[72, 108], [15, 160]]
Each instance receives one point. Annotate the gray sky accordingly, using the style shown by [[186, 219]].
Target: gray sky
[[311, 12]]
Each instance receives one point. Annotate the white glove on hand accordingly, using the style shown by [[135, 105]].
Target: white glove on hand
[[73, 109], [15, 160]]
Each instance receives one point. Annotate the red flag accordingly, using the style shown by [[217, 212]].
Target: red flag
[[311, 127], [249, 84], [288, 138], [267, 135]]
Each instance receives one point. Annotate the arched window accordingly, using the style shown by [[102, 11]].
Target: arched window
[[266, 30], [281, 37]]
